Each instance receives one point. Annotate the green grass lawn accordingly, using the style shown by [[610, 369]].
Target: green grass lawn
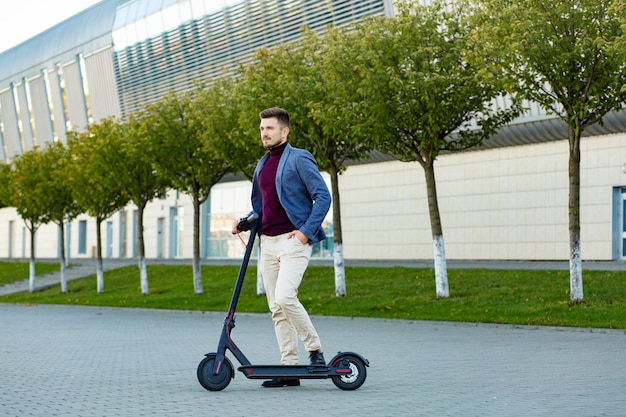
[[476, 295], [14, 271]]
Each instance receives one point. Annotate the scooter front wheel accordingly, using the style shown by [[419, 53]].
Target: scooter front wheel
[[211, 381], [356, 378]]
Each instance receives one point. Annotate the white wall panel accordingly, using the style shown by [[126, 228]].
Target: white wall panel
[[41, 111], [75, 97], [12, 138], [102, 88], [506, 203], [3, 157], [58, 111], [27, 131]]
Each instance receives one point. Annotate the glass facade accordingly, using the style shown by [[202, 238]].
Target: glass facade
[[162, 46]]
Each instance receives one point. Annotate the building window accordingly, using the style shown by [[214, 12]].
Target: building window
[[82, 237]]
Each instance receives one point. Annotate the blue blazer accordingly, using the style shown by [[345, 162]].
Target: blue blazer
[[301, 191]]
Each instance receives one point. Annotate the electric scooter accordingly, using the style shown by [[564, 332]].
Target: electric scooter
[[347, 370]]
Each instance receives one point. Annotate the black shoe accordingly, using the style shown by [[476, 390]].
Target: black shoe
[[281, 382], [317, 358]]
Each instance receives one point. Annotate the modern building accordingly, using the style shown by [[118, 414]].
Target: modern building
[[506, 200]]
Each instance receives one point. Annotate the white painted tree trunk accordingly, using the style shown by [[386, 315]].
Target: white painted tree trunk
[[260, 286], [99, 276], [62, 259], [340, 271], [63, 277], [143, 276], [441, 270], [576, 272], [197, 276], [31, 275], [99, 269]]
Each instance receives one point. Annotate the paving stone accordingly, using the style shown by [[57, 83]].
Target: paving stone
[[93, 361]]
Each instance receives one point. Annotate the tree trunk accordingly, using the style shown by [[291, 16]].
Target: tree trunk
[[99, 271], [143, 276], [143, 270], [441, 272], [63, 277], [31, 268], [575, 256], [340, 271], [197, 271], [31, 275], [62, 259], [68, 254]]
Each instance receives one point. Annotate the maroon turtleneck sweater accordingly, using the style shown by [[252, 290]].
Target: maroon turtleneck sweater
[[275, 221]]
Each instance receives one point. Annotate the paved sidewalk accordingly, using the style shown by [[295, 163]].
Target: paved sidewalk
[[93, 361]]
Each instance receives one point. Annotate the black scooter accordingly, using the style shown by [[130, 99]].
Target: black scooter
[[347, 370]]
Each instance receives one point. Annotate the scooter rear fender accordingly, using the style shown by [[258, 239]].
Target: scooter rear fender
[[342, 354]]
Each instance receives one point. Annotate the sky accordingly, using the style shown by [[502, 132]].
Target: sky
[[22, 19]]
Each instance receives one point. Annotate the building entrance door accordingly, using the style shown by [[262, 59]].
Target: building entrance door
[[619, 223]]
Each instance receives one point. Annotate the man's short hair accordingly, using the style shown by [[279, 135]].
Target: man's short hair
[[278, 113]]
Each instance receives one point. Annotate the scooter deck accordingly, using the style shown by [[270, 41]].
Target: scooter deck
[[293, 371]]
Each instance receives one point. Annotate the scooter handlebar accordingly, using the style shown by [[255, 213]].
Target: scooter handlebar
[[245, 223]]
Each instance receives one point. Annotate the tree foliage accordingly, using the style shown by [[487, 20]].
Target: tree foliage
[[562, 55], [27, 189], [307, 78], [176, 128], [29, 196], [425, 97], [231, 128], [5, 169], [95, 179], [139, 182], [60, 204]]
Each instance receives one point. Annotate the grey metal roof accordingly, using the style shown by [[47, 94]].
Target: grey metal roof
[[87, 31], [549, 129], [528, 131]]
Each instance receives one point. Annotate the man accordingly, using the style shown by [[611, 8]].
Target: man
[[292, 200]]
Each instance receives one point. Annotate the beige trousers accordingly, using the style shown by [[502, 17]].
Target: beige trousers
[[283, 262]]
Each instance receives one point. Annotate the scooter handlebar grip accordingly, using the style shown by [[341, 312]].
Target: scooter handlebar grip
[[245, 223]]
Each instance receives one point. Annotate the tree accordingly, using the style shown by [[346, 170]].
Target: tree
[[139, 182], [562, 56], [424, 97], [314, 80], [29, 195], [239, 116], [5, 169], [60, 205], [231, 124], [176, 131], [618, 45], [96, 169]]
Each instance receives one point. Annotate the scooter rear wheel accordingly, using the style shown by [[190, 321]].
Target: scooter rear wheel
[[356, 378], [208, 379]]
